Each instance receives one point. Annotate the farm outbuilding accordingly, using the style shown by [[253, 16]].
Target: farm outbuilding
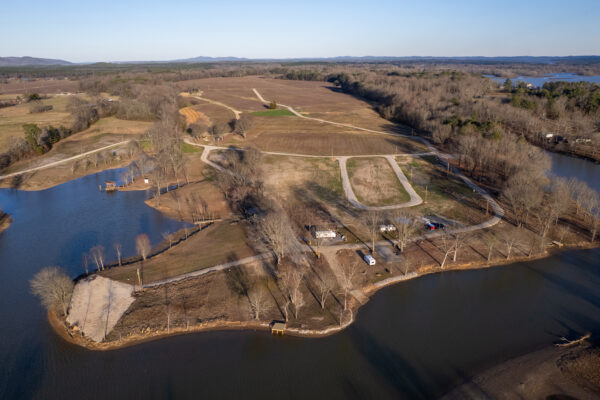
[[323, 233]]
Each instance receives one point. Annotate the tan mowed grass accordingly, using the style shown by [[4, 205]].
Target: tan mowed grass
[[375, 183], [219, 243], [13, 118]]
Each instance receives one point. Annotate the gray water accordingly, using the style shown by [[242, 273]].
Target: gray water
[[538, 81], [414, 340], [567, 167]]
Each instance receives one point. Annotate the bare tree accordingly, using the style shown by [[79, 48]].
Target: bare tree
[[325, 286], [372, 219], [291, 279], [54, 288], [276, 230], [169, 236], [405, 225], [298, 301], [347, 280], [490, 242], [509, 241], [459, 241], [258, 300], [97, 254], [523, 192], [118, 247], [143, 247], [446, 244]]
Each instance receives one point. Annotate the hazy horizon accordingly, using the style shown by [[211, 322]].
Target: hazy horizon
[[150, 30]]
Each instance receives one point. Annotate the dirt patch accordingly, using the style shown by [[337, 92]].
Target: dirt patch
[[192, 115], [97, 304]]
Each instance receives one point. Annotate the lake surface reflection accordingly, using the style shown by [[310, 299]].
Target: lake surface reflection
[[413, 340]]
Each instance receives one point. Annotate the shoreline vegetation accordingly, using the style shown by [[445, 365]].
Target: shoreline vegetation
[[74, 337]]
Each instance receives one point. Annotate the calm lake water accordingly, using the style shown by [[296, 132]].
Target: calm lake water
[[538, 81], [414, 340], [584, 170]]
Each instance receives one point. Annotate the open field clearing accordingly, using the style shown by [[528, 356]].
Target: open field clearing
[[18, 86], [325, 140], [216, 244], [214, 113], [13, 118], [375, 183], [198, 200], [274, 113], [298, 179], [103, 133], [445, 194], [235, 92]]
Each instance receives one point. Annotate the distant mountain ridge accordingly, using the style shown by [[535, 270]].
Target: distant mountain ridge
[[470, 59], [30, 61], [34, 61]]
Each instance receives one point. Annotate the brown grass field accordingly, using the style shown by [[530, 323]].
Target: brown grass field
[[13, 118], [374, 182], [104, 132], [292, 134], [182, 203], [295, 178], [18, 86], [218, 243]]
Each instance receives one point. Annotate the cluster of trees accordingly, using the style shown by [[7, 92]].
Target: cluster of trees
[[167, 160], [242, 182], [556, 99]]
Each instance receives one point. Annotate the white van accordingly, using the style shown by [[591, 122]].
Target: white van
[[369, 259]]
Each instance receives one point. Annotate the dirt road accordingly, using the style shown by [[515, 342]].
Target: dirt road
[[55, 163]]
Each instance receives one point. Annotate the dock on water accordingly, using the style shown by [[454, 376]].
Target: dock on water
[[278, 328]]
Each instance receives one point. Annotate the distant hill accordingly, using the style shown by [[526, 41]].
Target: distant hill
[[369, 59], [210, 59], [29, 61]]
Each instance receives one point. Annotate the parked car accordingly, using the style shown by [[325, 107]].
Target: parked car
[[432, 226], [369, 259]]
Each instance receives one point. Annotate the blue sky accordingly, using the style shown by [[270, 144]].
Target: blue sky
[[113, 30]]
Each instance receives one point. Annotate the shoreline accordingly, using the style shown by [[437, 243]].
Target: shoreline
[[5, 221], [542, 373], [134, 339]]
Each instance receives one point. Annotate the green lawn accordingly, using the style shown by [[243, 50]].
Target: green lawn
[[188, 148], [274, 113]]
